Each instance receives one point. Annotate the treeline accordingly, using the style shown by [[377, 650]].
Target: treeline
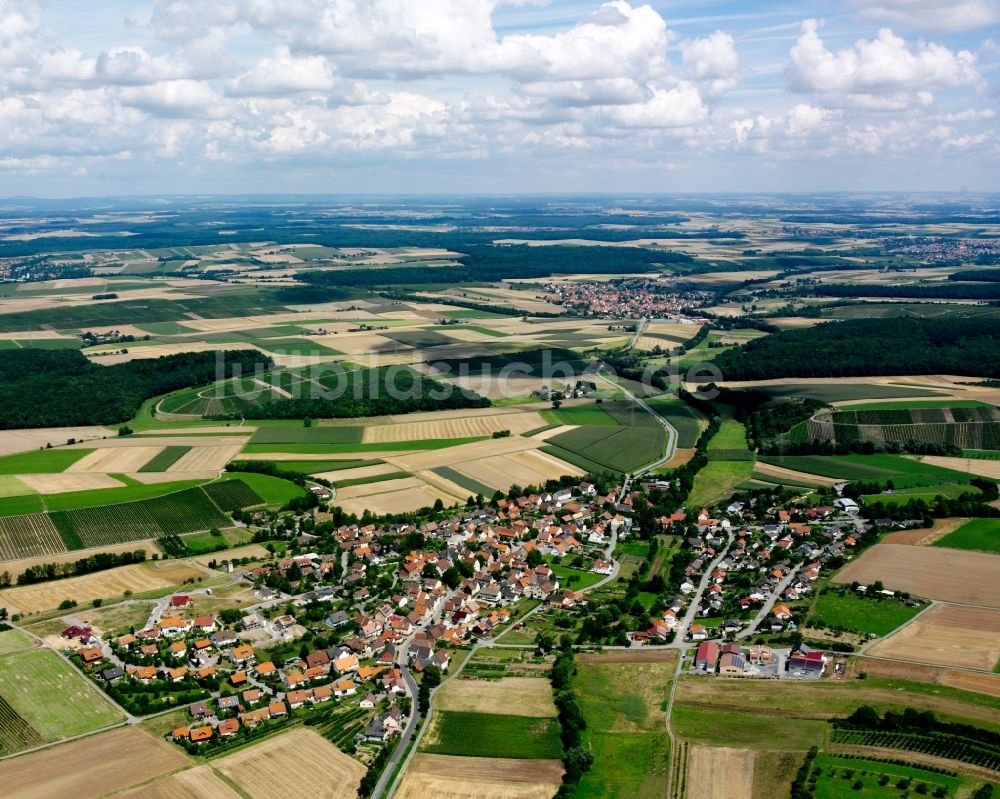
[[61, 388], [363, 392], [766, 418], [826, 447], [100, 561], [974, 504], [271, 469], [949, 291], [491, 263], [445, 299], [918, 722], [977, 275], [576, 758], [860, 347]]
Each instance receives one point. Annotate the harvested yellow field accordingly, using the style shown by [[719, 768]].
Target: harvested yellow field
[[234, 440], [296, 763], [404, 501], [951, 575], [443, 484], [90, 767], [650, 343], [325, 456], [358, 473], [529, 467], [780, 472], [463, 452], [714, 771], [462, 427], [495, 387], [195, 783], [383, 487], [983, 468], [60, 483], [437, 416], [152, 478], [211, 458], [252, 551], [517, 696], [545, 435], [116, 459], [12, 441], [947, 635], [448, 777], [101, 585]]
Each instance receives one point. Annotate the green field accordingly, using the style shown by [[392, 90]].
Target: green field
[[717, 480], [165, 458], [72, 500], [685, 420], [860, 614], [273, 490], [731, 436], [982, 535], [620, 448], [836, 778], [841, 390], [737, 729], [910, 404], [308, 435], [14, 641], [43, 461], [51, 696], [621, 703], [575, 579], [579, 414], [471, 485], [10, 486], [904, 472], [488, 735]]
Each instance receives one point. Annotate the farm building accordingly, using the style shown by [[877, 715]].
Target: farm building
[[706, 656], [732, 665]]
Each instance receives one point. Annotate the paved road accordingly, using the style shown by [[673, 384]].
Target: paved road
[[671, 432], [765, 609]]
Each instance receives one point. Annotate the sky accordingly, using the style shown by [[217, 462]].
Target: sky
[[497, 96]]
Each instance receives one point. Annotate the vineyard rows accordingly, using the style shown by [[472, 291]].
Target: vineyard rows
[[16, 734], [231, 495], [967, 435], [950, 747], [28, 536]]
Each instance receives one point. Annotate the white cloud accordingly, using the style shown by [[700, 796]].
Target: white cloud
[[932, 15], [712, 61], [886, 66], [177, 99]]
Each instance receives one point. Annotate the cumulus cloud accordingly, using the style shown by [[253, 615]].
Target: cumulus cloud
[[874, 69], [932, 15], [712, 61]]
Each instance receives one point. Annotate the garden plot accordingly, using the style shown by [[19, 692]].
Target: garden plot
[[951, 575], [947, 635], [459, 427], [450, 777], [296, 763]]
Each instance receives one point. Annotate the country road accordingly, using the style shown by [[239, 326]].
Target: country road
[[671, 446]]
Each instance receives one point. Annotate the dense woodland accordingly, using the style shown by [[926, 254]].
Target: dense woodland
[[61, 388], [842, 349], [362, 392], [942, 290]]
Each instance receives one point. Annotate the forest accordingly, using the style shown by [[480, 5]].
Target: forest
[[61, 388], [842, 349], [949, 291]]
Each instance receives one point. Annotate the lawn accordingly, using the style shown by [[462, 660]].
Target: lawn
[[575, 579], [273, 490], [860, 614], [837, 777], [52, 696], [978, 534], [491, 735], [14, 641], [43, 461], [623, 764], [718, 480]]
